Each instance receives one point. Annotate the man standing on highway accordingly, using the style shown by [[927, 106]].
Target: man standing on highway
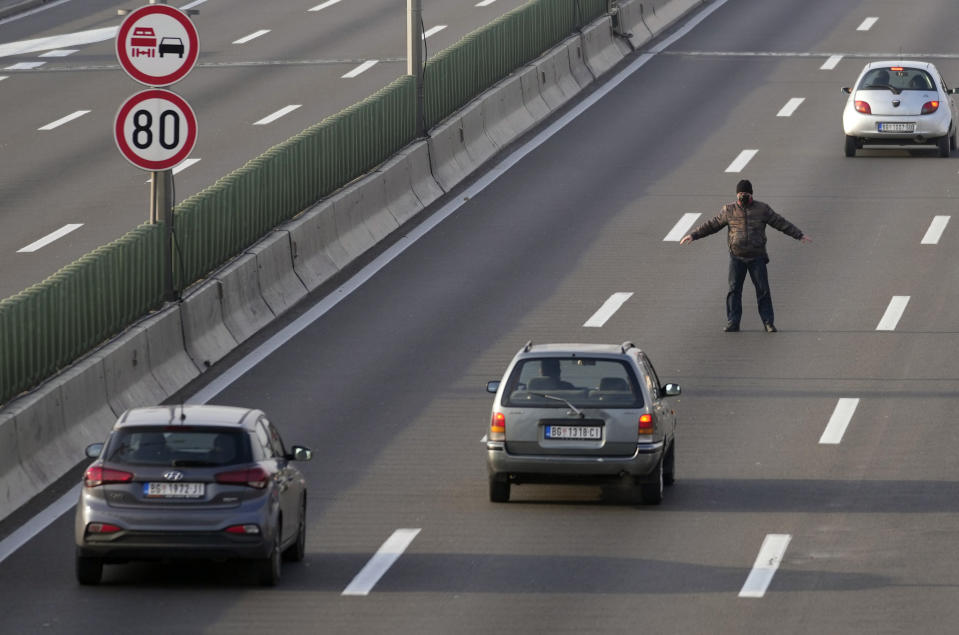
[[746, 220]]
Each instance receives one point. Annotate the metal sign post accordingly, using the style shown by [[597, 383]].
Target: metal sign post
[[414, 58]]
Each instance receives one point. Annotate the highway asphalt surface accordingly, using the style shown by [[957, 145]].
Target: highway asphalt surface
[[817, 487]]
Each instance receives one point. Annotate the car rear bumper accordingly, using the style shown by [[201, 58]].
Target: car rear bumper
[[541, 467], [928, 128], [142, 545]]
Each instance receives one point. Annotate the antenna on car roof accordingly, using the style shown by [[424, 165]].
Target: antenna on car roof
[[627, 345], [529, 345]]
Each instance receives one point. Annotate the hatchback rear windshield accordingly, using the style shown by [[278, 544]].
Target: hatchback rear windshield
[[178, 446], [582, 381], [897, 77]]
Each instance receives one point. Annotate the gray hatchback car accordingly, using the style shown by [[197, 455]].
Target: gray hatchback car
[[581, 413], [209, 482]]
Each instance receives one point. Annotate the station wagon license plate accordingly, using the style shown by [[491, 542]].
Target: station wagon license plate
[[897, 126], [574, 433], [174, 490]]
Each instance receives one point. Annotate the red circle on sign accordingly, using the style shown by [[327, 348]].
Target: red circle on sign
[[149, 44], [141, 157]]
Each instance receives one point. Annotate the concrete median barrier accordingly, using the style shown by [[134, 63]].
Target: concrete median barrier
[[401, 200], [425, 185], [479, 146], [244, 310], [129, 378], [532, 97], [576, 59], [317, 253], [354, 235], [171, 366], [661, 14], [16, 486], [448, 156], [206, 337], [602, 50], [87, 414], [279, 284], [42, 442], [504, 112], [557, 84]]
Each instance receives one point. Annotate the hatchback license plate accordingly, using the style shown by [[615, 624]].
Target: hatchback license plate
[[174, 490], [575, 433], [897, 126]]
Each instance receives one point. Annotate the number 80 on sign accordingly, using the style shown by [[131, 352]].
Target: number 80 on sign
[[155, 129]]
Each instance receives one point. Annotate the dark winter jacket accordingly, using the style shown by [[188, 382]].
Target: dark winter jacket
[[747, 228]]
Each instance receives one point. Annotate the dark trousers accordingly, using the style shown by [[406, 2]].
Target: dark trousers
[[737, 275]]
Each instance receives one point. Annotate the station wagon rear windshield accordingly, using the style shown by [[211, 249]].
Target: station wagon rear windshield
[[178, 446], [897, 78], [582, 381]]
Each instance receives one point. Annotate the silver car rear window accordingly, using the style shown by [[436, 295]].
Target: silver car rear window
[[582, 381], [898, 77], [179, 446]]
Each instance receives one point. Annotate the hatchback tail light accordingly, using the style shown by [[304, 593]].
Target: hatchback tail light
[[251, 477], [243, 530], [863, 107], [646, 425], [103, 528], [930, 107], [497, 427], [97, 475]]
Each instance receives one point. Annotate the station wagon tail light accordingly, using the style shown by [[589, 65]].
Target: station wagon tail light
[[646, 425], [102, 528], [255, 477], [97, 475], [930, 107], [863, 107], [243, 530], [497, 427]]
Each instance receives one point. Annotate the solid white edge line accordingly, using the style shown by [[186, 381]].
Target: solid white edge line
[[839, 421], [26, 14], [790, 107], [867, 24], [831, 63], [610, 307], [63, 120], [326, 304], [282, 112], [49, 238], [934, 233], [682, 227], [381, 561], [38, 523], [362, 68], [767, 562], [742, 160], [893, 314], [251, 36], [328, 3]]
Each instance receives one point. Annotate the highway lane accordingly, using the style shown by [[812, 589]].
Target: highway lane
[[74, 174], [387, 387]]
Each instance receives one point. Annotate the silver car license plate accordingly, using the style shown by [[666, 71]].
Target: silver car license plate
[[575, 433], [174, 490], [897, 126]]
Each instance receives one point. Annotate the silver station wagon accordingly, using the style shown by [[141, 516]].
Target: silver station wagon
[[189, 482], [581, 413]]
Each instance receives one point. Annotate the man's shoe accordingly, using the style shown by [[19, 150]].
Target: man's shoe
[[770, 328], [731, 327]]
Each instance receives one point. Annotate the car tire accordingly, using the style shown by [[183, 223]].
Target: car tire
[[651, 487], [297, 551], [89, 570], [499, 489], [669, 467], [953, 145], [851, 146], [268, 569], [943, 144]]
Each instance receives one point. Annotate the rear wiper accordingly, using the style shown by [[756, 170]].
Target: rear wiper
[[555, 398], [895, 91]]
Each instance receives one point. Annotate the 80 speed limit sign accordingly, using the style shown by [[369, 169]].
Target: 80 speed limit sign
[[155, 129]]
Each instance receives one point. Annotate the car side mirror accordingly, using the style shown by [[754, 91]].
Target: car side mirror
[[94, 450], [847, 90], [672, 390], [492, 386], [301, 454]]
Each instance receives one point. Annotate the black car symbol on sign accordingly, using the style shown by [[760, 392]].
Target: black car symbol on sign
[[171, 45]]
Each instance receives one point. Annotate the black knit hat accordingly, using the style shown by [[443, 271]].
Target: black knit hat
[[744, 186]]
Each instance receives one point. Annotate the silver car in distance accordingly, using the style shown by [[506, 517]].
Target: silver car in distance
[[900, 103], [581, 413], [189, 482]]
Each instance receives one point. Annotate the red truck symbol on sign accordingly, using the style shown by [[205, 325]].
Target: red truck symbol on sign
[[143, 42]]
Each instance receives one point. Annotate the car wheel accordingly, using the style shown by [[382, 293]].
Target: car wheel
[[953, 145], [850, 146], [89, 570], [268, 569], [651, 487], [943, 143], [297, 551], [669, 469], [499, 489]]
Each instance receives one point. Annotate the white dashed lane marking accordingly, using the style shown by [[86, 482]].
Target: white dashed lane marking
[[934, 233], [485, 3], [251, 36], [767, 562], [612, 304], [49, 238], [58, 53], [328, 3], [365, 66], [24, 66], [740, 162], [179, 167], [893, 313], [831, 63], [279, 113], [433, 31], [682, 228], [867, 24], [790, 107], [839, 421], [63, 120], [381, 561]]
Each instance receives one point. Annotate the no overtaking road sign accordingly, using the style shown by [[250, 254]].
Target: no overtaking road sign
[[157, 45]]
